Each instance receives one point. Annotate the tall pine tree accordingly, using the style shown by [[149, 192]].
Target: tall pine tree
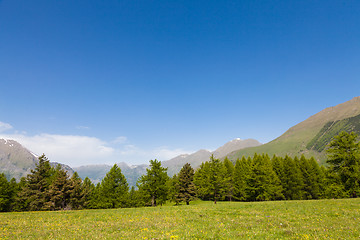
[[186, 187], [344, 160], [241, 176], [153, 185], [33, 194], [114, 189]]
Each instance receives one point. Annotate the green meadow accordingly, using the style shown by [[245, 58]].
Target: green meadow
[[318, 219]]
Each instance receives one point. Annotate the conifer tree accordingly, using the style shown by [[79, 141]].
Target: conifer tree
[[344, 159], [292, 180], [173, 186], [241, 175], [33, 194], [153, 184], [21, 201], [96, 198], [229, 179], [114, 189], [134, 198], [312, 177], [88, 190], [264, 184], [186, 187], [77, 192], [216, 179], [5, 193], [14, 189], [58, 194], [201, 181]]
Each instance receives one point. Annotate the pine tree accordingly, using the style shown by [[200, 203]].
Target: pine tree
[[312, 177], [114, 188], [173, 186], [14, 189], [344, 159], [33, 194], [88, 190], [201, 181], [134, 198], [241, 175], [59, 191], [153, 184], [21, 201], [5, 193], [229, 179], [264, 184], [216, 179], [96, 199], [186, 188], [292, 180], [76, 192]]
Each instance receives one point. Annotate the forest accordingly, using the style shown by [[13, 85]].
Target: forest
[[257, 178]]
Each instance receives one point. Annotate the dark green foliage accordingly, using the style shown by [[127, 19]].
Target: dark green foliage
[[5, 193], [201, 180], [210, 180], [153, 185], [58, 194], [114, 189], [313, 178], [185, 185], [33, 195], [88, 190], [292, 180], [173, 186], [229, 179], [241, 178], [134, 198], [264, 184], [95, 199], [344, 161], [77, 194], [334, 188]]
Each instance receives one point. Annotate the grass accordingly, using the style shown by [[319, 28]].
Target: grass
[[321, 219]]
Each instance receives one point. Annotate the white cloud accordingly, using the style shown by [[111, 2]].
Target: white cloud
[[5, 126], [75, 150], [67, 149]]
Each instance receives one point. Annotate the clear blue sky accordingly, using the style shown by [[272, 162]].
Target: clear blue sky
[[138, 80]]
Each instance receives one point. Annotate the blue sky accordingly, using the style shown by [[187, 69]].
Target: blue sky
[[109, 81]]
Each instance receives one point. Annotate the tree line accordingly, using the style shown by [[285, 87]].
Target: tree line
[[257, 178]]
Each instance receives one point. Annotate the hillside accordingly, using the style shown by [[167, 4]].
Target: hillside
[[312, 135], [16, 161]]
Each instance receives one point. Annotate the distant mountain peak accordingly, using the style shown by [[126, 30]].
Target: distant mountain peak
[[17, 161]]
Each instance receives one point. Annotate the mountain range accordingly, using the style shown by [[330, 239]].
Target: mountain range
[[309, 137], [132, 173]]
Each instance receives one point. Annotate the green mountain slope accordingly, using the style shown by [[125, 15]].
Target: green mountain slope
[[312, 135]]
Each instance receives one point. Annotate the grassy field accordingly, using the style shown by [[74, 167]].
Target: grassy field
[[322, 219]]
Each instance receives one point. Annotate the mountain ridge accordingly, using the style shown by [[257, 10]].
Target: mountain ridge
[[296, 139]]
